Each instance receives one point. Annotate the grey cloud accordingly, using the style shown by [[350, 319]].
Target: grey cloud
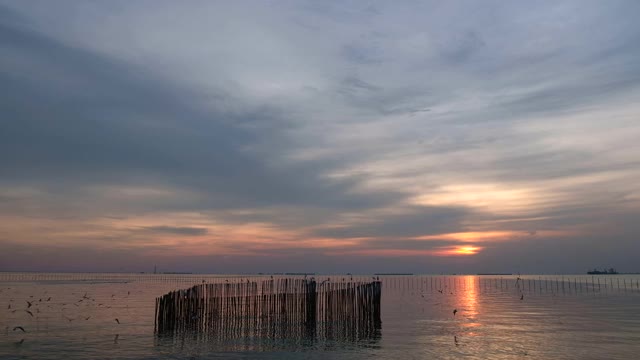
[[177, 230], [462, 47], [84, 111], [77, 117], [362, 54], [411, 222]]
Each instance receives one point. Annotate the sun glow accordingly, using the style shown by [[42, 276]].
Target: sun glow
[[466, 250]]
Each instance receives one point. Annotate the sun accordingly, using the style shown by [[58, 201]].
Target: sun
[[466, 250]]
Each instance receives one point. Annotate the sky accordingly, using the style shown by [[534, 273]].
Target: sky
[[321, 136]]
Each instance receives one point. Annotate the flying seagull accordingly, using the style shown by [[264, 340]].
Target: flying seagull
[[19, 328], [118, 321]]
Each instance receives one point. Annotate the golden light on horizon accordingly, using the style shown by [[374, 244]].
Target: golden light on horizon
[[467, 250]]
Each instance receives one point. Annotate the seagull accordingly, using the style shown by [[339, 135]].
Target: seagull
[[522, 297], [29, 312], [28, 303], [49, 298], [115, 338], [19, 328], [455, 340], [118, 321], [87, 318], [455, 311], [440, 291]]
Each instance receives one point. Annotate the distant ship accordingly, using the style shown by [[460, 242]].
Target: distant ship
[[611, 271]]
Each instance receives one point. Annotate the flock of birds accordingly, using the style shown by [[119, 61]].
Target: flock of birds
[[33, 306]]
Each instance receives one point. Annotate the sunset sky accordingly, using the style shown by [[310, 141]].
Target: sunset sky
[[291, 136]]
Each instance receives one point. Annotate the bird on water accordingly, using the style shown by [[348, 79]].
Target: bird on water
[[455, 311]]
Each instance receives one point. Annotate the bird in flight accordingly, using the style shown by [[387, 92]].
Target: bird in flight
[[19, 328], [118, 321], [455, 311], [29, 304], [29, 312]]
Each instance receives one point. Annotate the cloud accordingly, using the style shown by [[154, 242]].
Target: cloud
[[177, 230], [313, 129]]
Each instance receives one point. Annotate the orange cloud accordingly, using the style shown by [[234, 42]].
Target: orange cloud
[[489, 236]]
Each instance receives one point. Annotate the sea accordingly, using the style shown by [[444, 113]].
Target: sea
[[111, 316]]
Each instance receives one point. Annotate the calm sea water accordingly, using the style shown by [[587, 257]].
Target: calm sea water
[[499, 317]]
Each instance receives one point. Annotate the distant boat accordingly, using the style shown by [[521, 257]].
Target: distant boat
[[610, 271]]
